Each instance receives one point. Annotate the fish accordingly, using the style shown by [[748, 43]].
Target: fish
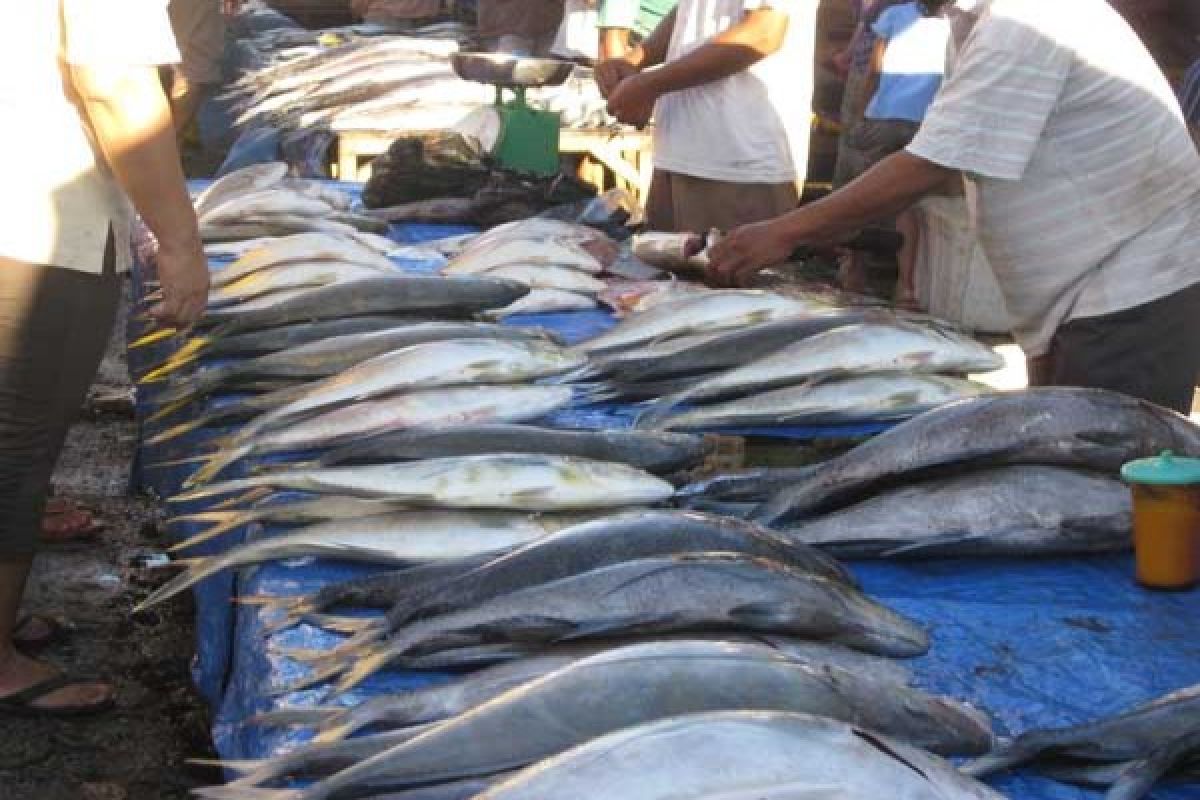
[[591, 240], [324, 509], [418, 707], [660, 453], [268, 201], [848, 350], [457, 362], [479, 259], [296, 275], [745, 485], [1130, 735], [1057, 426], [523, 482], [301, 247], [590, 698], [255, 178], [394, 294], [544, 301], [708, 352], [395, 538], [329, 356], [591, 545], [1019, 511], [761, 755], [703, 312], [270, 340], [430, 408], [1138, 778], [875, 397], [549, 276], [667, 594]]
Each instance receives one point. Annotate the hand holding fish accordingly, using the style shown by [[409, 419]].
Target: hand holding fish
[[633, 100], [183, 272], [745, 251]]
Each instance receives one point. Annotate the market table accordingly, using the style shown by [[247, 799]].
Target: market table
[[1034, 642]]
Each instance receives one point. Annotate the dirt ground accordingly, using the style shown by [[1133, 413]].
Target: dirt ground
[[138, 751]]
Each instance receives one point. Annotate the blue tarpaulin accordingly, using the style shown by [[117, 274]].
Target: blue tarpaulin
[[1034, 643]]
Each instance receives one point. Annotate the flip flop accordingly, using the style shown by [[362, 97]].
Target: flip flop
[[54, 632], [21, 704]]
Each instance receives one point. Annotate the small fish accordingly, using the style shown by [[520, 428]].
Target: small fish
[[544, 301]]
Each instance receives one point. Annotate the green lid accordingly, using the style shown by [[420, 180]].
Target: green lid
[[1165, 470]]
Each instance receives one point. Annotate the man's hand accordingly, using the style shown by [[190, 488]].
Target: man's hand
[[739, 256], [633, 101], [183, 273], [231, 7], [611, 72]]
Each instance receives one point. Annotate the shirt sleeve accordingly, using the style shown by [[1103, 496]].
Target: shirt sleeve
[[132, 33], [885, 26], [995, 103], [619, 14]]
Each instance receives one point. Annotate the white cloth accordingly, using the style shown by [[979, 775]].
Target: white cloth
[[578, 36], [753, 127], [1084, 183], [59, 197]]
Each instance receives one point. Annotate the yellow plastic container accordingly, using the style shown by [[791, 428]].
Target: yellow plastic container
[[1166, 520]]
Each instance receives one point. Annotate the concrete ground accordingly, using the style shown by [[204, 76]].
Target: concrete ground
[[138, 751]]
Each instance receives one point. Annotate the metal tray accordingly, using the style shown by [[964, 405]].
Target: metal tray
[[499, 69]]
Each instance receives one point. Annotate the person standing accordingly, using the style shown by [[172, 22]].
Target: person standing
[[731, 95], [1084, 185], [199, 27], [95, 129]]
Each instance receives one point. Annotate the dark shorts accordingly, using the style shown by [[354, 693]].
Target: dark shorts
[[55, 324], [1151, 351]]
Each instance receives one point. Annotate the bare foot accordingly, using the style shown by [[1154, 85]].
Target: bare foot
[[19, 672]]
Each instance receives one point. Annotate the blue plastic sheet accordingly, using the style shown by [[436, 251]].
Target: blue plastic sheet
[[1035, 643]]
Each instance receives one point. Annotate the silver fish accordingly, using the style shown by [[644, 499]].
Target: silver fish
[[1090, 428], [253, 178], [762, 756], [544, 301]]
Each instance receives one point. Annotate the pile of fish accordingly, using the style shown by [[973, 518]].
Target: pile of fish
[[262, 201], [1018, 474], [1128, 753], [735, 359], [560, 262]]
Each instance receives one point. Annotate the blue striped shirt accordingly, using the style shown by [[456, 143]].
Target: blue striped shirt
[[1189, 95]]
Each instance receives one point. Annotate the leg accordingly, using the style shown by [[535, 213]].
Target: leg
[[199, 28], [660, 203], [1148, 352], [47, 316], [701, 205]]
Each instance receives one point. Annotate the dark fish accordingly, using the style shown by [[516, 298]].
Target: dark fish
[[656, 453], [1088, 428], [1131, 735], [1138, 778], [1006, 511]]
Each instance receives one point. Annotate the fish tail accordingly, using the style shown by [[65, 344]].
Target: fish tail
[[226, 487], [217, 464], [153, 337], [179, 462], [231, 765], [195, 571], [334, 733], [365, 666], [316, 677], [297, 717], [336, 624], [226, 521], [168, 410], [199, 384], [182, 429], [243, 500]]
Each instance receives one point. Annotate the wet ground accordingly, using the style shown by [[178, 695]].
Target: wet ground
[[139, 750]]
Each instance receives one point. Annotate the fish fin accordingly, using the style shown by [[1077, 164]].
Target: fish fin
[[363, 667], [153, 337], [217, 489], [655, 413], [233, 520], [195, 571], [199, 384], [189, 353], [168, 410], [314, 678], [181, 429], [1011, 753], [303, 655], [296, 717], [179, 462], [217, 464], [240, 767], [336, 624]]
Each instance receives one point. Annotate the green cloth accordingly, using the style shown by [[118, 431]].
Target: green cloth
[[640, 16]]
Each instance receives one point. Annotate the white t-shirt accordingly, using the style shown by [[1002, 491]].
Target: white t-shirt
[[1083, 180], [59, 197], [752, 127]]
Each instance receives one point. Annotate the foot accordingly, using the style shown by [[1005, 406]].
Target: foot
[[19, 673], [71, 523]]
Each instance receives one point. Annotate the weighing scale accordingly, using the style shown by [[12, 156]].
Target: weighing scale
[[529, 138]]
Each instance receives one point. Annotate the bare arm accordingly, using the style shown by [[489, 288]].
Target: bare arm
[[889, 187], [131, 119], [651, 52]]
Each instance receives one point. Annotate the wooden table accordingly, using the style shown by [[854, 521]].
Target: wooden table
[[607, 159]]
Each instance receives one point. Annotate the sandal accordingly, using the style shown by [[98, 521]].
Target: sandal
[[22, 703], [53, 632]]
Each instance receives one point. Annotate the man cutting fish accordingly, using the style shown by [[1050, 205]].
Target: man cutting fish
[[729, 83], [1084, 187]]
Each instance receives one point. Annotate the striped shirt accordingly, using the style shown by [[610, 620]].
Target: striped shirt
[[1083, 181]]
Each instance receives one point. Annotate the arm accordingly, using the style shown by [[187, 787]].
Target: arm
[[616, 19], [889, 187], [131, 120], [650, 53], [758, 34], [614, 43]]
